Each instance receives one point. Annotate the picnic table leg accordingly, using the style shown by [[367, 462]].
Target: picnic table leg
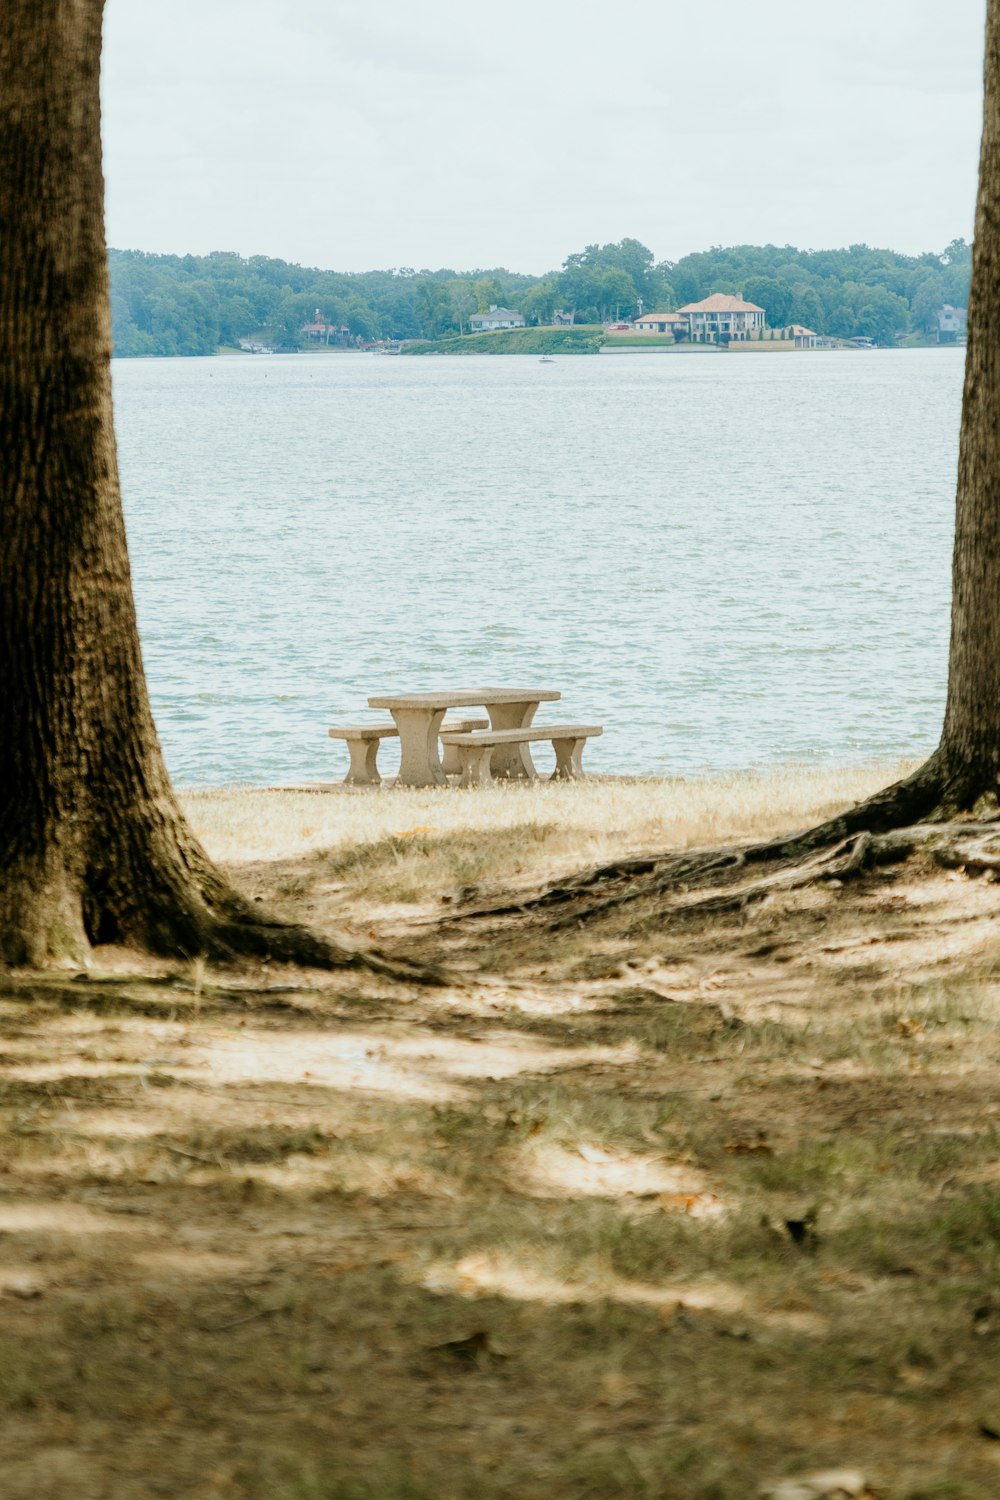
[[512, 762], [419, 763], [475, 762], [364, 765], [569, 760]]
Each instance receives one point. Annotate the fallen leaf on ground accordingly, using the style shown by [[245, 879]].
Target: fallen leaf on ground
[[908, 1026], [696, 1205]]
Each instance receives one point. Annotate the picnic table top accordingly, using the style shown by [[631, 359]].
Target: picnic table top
[[469, 698]]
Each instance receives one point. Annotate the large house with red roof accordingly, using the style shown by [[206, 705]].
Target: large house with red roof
[[718, 319], [721, 319]]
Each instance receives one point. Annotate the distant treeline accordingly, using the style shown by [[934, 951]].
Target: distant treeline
[[192, 304]]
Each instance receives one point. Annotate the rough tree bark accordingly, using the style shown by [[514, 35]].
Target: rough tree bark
[[968, 758], [93, 844]]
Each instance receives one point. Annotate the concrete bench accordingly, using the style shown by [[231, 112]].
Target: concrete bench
[[363, 741], [476, 749]]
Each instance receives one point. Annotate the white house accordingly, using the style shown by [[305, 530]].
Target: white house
[[951, 324], [660, 322], [497, 317]]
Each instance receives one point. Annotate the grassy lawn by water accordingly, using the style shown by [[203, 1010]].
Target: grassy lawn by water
[[637, 1209], [585, 338]]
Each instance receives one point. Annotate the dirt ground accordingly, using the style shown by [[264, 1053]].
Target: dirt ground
[[644, 1208]]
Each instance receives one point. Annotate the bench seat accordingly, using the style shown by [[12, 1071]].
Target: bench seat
[[475, 748], [363, 741], [362, 732]]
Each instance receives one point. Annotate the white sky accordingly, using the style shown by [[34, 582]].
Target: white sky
[[433, 133]]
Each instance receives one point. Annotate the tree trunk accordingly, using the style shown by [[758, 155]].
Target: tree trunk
[[964, 771], [93, 844], [968, 758]]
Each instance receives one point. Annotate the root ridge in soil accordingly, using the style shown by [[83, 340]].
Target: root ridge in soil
[[877, 831]]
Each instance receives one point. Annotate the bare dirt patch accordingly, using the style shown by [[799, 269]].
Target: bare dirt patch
[[638, 1210]]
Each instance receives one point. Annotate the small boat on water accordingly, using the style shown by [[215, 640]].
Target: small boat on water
[[546, 359]]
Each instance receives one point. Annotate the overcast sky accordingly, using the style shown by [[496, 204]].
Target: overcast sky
[[433, 133]]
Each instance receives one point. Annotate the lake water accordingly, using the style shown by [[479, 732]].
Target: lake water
[[728, 560]]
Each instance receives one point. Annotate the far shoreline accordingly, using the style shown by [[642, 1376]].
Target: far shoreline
[[446, 349]]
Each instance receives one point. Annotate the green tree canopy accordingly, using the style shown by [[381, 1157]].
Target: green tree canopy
[[169, 304], [777, 298]]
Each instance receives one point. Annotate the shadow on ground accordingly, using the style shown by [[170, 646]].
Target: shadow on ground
[[658, 1220]]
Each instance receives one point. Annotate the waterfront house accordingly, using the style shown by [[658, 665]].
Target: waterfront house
[[320, 332], [497, 317], [951, 324], [722, 319], [660, 322], [803, 338]]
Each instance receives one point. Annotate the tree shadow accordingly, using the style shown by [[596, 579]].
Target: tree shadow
[[544, 1239]]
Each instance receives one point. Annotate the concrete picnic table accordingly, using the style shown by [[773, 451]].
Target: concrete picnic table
[[418, 717]]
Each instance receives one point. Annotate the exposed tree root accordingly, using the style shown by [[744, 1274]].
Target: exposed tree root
[[974, 847], [974, 855], [222, 925], [174, 903], [917, 812], [166, 895], [298, 945], [838, 862]]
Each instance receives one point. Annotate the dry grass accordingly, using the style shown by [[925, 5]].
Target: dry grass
[[247, 824], [633, 1215], [411, 847]]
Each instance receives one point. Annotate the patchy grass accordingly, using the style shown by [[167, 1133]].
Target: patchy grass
[[647, 1213]]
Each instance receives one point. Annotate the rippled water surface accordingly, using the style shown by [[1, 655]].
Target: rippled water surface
[[725, 559]]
